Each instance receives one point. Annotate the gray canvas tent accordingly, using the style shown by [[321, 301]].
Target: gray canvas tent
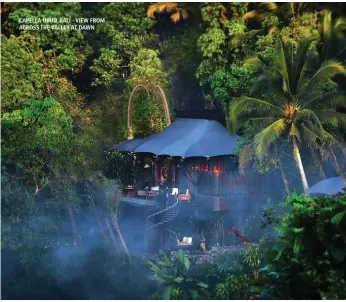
[[328, 186], [185, 138]]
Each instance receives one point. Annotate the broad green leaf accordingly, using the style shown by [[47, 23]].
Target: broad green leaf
[[179, 279], [167, 293], [202, 284], [336, 219]]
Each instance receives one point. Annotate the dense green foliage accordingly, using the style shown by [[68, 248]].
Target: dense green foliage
[[65, 96], [308, 261], [25, 83]]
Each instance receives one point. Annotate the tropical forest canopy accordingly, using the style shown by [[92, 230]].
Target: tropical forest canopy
[[276, 71]]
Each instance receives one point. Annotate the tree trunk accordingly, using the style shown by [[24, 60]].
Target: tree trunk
[[337, 167], [117, 228], [93, 209], [74, 225], [298, 159], [111, 232], [100, 224], [284, 178]]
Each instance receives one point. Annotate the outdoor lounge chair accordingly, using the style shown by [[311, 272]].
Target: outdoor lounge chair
[[186, 196]]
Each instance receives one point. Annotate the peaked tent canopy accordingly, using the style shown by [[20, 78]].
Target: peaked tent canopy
[[185, 138], [328, 186]]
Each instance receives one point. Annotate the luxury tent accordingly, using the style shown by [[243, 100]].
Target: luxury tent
[[185, 138], [194, 156], [328, 186]]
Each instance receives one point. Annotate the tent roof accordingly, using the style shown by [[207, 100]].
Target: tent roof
[[185, 138], [328, 186]]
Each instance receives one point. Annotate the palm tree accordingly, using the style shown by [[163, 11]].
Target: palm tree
[[292, 104], [178, 13], [248, 155]]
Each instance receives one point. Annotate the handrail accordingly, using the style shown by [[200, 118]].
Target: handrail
[[160, 212], [174, 233]]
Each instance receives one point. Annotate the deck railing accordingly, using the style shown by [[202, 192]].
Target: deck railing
[[229, 184]]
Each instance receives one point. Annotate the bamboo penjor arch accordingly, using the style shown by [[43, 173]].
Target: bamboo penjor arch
[[138, 88]]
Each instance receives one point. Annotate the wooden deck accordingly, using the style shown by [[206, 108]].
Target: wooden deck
[[138, 201]]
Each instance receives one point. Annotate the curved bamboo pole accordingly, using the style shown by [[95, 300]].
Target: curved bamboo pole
[[130, 106], [165, 104]]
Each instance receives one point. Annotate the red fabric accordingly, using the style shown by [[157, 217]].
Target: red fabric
[[204, 167]]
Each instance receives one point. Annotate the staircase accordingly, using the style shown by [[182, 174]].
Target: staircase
[[168, 214]]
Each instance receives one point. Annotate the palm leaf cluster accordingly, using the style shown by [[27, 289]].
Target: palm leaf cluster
[[289, 102]]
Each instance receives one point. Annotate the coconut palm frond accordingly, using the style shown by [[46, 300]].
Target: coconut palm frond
[[278, 97], [335, 100], [294, 132], [325, 73], [268, 136], [331, 117], [307, 115], [310, 136], [262, 122], [332, 34], [300, 64], [340, 25], [250, 107], [330, 99], [334, 141], [325, 27], [284, 63]]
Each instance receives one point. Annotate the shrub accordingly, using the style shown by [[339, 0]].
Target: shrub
[[234, 287], [175, 279], [309, 259]]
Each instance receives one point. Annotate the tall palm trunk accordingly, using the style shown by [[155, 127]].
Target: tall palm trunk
[[337, 167], [117, 228], [298, 159], [284, 178], [74, 225]]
